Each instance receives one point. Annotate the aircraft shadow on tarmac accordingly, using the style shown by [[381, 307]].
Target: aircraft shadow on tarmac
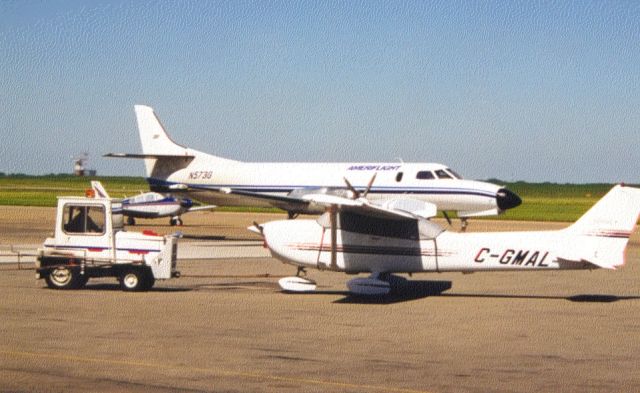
[[401, 292], [414, 290], [587, 298]]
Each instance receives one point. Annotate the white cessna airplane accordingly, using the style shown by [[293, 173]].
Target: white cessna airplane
[[174, 168], [152, 205], [356, 235]]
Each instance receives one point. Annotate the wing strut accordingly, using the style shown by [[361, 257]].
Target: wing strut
[[333, 217]]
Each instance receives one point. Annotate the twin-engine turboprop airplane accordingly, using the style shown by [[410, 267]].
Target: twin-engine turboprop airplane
[[211, 179], [153, 205], [356, 236]]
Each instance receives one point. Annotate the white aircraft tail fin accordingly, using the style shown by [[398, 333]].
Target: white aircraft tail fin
[[603, 232], [162, 156], [99, 189], [153, 137]]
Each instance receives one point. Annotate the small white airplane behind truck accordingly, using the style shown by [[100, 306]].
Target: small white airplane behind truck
[[356, 236], [153, 205], [177, 169]]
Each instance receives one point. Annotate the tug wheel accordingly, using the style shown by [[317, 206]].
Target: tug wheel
[[135, 280], [64, 277]]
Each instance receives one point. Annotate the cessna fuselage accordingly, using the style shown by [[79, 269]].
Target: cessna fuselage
[[306, 243]]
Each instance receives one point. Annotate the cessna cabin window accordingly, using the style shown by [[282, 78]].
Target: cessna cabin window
[[399, 177], [425, 175], [403, 229], [443, 175]]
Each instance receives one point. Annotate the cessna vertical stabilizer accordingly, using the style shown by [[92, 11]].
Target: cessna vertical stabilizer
[[356, 235], [174, 168]]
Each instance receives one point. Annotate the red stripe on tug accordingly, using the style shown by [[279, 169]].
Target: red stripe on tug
[[138, 252]]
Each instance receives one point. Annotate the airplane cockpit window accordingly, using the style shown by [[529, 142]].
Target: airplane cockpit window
[[443, 175], [453, 173], [425, 175]]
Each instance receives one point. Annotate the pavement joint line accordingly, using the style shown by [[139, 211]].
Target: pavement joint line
[[210, 370]]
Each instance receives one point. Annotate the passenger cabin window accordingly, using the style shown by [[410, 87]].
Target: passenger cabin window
[[83, 219], [443, 175], [399, 177], [425, 175]]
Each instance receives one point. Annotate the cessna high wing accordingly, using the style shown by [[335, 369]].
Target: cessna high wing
[[177, 169], [357, 236]]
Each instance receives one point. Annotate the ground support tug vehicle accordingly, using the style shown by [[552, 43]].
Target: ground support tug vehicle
[[90, 241]]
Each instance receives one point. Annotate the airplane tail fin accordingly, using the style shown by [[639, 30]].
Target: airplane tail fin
[[161, 155], [99, 189], [603, 232], [153, 137]]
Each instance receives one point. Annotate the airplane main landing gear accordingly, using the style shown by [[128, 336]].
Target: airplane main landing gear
[[131, 221], [377, 284]]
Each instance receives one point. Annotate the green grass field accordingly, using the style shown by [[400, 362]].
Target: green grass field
[[541, 201]]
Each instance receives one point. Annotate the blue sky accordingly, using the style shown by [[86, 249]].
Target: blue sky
[[536, 91]]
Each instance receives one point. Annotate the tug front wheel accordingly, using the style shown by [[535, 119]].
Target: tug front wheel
[[136, 280]]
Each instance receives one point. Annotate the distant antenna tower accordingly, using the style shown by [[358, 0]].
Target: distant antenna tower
[[79, 164]]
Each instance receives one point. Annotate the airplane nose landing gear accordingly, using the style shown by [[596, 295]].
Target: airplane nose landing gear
[[297, 283]]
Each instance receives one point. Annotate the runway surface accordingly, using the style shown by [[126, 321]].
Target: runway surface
[[224, 326]]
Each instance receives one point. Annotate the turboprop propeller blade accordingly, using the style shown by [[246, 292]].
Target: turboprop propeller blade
[[373, 178], [355, 193]]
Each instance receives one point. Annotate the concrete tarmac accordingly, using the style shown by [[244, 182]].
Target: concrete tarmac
[[224, 326]]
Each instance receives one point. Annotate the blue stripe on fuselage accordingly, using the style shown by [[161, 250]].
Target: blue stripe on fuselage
[[377, 190]]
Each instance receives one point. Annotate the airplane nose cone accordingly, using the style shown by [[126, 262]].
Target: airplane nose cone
[[507, 199]]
